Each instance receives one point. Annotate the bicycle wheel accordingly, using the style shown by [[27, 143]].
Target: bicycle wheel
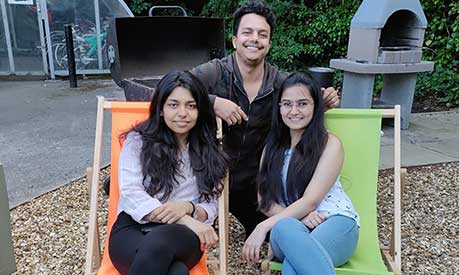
[[60, 56]]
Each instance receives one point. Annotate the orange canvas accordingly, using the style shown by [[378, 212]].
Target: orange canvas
[[124, 116]]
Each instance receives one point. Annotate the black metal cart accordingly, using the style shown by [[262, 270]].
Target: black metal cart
[[142, 49]]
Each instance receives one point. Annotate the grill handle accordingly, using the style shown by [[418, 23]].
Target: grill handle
[[150, 11]]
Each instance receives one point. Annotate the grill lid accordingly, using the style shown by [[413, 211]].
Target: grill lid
[[146, 47]]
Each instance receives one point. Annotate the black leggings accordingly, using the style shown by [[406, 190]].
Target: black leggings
[[170, 249]]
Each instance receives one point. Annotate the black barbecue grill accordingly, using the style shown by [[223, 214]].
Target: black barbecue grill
[[142, 49]]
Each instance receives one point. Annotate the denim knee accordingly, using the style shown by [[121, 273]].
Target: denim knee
[[285, 225]]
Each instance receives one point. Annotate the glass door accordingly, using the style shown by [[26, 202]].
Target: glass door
[[25, 36]]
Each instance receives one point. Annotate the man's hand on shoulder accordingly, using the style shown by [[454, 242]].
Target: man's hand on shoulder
[[331, 98], [229, 111]]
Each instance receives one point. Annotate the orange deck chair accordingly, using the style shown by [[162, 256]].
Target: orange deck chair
[[124, 116]]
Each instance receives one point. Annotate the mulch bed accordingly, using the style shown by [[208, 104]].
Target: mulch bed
[[50, 232], [429, 103]]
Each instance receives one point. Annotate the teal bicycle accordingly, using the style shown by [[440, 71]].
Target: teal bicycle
[[85, 49]]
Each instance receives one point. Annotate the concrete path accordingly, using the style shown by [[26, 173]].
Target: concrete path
[[431, 138], [47, 135]]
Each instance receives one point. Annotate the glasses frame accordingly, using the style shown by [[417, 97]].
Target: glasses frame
[[295, 103]]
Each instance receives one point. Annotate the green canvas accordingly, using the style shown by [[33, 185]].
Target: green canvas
[[359, 131]]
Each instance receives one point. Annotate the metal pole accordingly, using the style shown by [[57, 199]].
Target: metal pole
[[44, 13], [99, 40], [42, 37], [70, 55]]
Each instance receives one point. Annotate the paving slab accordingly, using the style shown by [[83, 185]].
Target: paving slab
[[412, 155], [431, 138], [47, 133], [447, 147]]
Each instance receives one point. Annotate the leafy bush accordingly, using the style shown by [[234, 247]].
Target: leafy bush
[[311, 32], [441, 46], [442, 83], [442, 34], [320, 32], [139, 7]]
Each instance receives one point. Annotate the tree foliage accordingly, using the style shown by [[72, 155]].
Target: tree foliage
[[311, 32], [139, 7], [441, 46], [307, 33]]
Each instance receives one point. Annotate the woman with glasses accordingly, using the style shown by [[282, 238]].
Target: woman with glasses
[[313, 224]]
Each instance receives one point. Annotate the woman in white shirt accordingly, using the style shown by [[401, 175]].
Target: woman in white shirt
[[170, 175], [313, 224]]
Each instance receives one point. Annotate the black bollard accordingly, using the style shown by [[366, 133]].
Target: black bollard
[[70, 55]]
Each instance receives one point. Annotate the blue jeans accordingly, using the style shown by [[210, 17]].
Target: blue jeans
[[302, 251]]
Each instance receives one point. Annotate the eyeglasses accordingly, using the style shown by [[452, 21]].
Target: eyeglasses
[[301, 104]]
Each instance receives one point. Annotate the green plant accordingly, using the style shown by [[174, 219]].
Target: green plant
[[311, 32], [139, 7], [320, 30], [441, 45], [222, 9], [442, 35], [442, 84]]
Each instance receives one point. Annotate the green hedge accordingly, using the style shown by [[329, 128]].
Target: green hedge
[[441, 44], [295, 48], [311, 32]]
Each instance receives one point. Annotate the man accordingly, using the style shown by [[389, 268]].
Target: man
[[242, 87]]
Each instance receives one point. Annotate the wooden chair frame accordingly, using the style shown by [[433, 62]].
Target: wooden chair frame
[[392, 254], [93, 252]]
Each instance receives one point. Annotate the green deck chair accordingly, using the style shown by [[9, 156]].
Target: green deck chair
[[360, 130]]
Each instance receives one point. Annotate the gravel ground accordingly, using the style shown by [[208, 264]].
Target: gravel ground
[[49, 233]]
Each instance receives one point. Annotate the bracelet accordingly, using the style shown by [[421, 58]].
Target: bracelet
[[194, 209]]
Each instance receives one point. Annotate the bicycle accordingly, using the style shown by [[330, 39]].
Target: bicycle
[[85, 48]]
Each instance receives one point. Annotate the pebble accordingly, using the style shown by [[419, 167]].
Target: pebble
[[50, 232]]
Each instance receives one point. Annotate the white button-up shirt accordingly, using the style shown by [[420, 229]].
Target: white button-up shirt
[[136, 202]]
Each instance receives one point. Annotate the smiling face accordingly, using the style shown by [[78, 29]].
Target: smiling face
[[180, 113], [297, 108], [253, 40]]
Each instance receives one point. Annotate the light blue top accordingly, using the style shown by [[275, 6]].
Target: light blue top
[[336, 202]]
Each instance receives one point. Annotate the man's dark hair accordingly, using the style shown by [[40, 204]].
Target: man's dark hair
[[257, 7]]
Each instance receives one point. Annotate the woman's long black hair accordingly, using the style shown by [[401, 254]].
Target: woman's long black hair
[[305, 156], [160, 150]]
